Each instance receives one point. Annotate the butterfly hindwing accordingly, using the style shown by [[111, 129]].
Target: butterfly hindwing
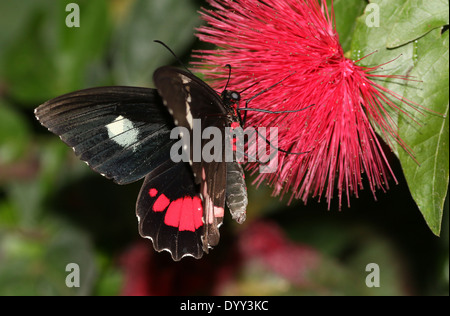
[[170, 211], [120, 132]]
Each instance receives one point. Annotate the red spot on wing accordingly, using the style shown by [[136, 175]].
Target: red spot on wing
[[161, 203], [185, 213], [172, 217]]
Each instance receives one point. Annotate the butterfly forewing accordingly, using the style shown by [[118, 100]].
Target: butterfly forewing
[[120, 132], [193, 99]]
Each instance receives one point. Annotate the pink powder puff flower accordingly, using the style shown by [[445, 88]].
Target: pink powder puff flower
[[294, 43]]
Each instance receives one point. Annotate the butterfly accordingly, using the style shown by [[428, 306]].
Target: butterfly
[[123, 133]]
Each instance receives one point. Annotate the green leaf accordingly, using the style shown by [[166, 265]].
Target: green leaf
[[425, 61], [428, 182], [346, 12], [369, 43], [417, 18]]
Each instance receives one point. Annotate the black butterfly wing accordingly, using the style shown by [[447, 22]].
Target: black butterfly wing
[[169, 210], [124, 134], [120, 132], [196, 100]]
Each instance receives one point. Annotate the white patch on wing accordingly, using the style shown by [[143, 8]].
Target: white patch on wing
[[203, 175], [189, 115], [189, 118], [184, 79], [208, 205], [212, 211], [218, 211], [123, 132]]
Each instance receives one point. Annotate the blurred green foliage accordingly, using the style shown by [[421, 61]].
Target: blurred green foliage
[[54, 210]]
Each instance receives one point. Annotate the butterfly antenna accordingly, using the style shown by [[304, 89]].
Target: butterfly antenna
[[266, 89], [288, 152], [246, 108], [240, 92], [174, 55], [275, 112], [229, 76]]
